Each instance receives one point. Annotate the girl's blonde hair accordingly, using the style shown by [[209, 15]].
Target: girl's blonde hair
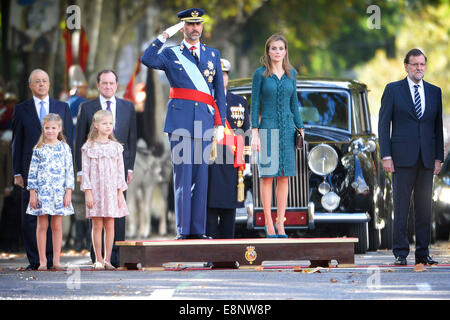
[[93, 133], [265, 59], [50, 117]]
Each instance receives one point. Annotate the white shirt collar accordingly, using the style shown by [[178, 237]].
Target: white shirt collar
[[412, 83], [197, 46], [37, 101], [103, 100]]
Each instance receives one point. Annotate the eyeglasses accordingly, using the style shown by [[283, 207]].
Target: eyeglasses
[[39, 81], [415, 65]]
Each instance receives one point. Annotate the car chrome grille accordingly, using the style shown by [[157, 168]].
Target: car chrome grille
[[298, 185]]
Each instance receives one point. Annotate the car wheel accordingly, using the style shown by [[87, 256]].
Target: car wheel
[[386, 232], [360, 231], [442, 231]]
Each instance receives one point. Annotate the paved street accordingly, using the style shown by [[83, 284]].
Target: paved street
[[373, 278]]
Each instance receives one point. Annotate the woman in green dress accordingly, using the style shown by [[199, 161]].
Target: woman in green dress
[[274, 116]]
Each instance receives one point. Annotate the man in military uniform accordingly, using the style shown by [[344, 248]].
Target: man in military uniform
[[225, 176], [196, 105]]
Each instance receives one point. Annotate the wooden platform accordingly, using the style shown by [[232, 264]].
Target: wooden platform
[[319, 251]]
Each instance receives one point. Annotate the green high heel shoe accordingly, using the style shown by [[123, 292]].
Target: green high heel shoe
[[268, 235]]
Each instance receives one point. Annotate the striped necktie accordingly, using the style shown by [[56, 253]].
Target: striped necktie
[[417, 102]]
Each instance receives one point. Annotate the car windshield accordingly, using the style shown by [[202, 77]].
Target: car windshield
[[324, 108]]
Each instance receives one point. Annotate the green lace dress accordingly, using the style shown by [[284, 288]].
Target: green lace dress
[[275, 112]]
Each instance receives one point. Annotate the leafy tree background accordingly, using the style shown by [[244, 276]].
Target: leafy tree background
[[326, 38]]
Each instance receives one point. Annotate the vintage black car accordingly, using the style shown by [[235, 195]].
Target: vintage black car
[[440, 208], [340, 188]]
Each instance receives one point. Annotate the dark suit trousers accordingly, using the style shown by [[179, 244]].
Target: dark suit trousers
[[190, 176], [29, 224], [220, 223], [419, 180]]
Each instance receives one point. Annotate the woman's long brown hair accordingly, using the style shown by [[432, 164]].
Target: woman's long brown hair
[[265, 59]]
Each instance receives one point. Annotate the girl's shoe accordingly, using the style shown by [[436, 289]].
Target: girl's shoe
[[98, 266], [268, 235], [109, 266], [58, 267]]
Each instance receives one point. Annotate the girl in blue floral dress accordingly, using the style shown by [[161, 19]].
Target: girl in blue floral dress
[[50, 181]]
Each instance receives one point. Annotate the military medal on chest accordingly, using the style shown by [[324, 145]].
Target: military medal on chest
[[210, 72], [238, 115]]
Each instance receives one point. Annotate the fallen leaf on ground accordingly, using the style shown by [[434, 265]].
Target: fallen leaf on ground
[[332, 280], [419, 268]]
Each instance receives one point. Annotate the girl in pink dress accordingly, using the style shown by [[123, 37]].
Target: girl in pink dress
[[103, 181]]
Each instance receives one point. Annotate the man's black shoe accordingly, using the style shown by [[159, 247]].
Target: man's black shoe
[[181, 237], [400, 261], [31, 267], [200, 236], [425, 260]]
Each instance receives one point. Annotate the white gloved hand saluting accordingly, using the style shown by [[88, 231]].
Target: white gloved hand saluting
[[173, 29], [220, 133]]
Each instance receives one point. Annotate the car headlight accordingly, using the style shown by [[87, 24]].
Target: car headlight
[[324, 187], [446, 180], [322, 159], [330, 201], [444, 195]]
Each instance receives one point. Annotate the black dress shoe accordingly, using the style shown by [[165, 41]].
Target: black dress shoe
[[400, 261], [181, 237], [200, 236], [425, 260], [31, 267]]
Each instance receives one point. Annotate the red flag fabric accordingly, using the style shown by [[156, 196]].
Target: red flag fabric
[[84, 50], [69, 55], [129, 92]]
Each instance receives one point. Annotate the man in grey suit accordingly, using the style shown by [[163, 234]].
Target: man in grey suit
[[414, 150], [124, 118]]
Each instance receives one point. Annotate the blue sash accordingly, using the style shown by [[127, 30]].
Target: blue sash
[[194, 73]]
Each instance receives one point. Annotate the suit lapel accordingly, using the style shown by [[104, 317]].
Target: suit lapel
[[408, 98], [118, 123], [428, 102], [31, 108]]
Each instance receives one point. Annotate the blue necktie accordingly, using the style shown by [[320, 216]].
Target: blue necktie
[[42, 111], [417, 102], [108, 106]]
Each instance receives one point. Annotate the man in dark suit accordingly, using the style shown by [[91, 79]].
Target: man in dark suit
[[27, 127], [414, 150], [124, 118]]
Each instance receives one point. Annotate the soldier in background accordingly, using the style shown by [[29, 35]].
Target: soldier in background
[[224, 179]]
